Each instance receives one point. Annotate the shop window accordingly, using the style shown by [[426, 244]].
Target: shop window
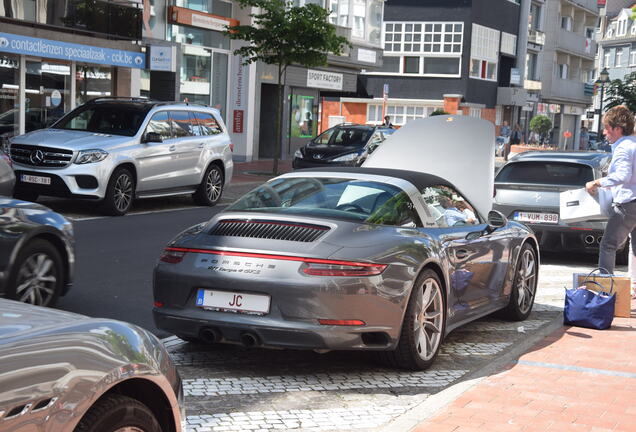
[[9, 91], [441, 66], [411, 65], [93, 81], [47, 92]]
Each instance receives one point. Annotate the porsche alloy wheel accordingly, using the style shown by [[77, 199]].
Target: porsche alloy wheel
[[524, 286], [423, 327]]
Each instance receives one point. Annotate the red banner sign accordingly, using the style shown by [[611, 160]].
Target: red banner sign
[[237, 121]]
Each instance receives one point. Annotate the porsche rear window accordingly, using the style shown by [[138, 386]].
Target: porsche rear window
[[546, 173], [355, 200]]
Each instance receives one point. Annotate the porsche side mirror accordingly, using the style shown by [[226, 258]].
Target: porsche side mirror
[[496, 219], [152, 137]]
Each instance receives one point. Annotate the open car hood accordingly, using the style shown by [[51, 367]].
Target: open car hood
[[459, 149]]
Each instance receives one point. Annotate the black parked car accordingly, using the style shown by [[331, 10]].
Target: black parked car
[[342, 145], [36, 252]]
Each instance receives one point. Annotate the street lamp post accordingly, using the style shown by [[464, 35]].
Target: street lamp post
[[603, 78]]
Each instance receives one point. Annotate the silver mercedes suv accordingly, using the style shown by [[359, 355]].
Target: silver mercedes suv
[[116, 150]]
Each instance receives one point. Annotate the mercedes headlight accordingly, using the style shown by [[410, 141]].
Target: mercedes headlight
[[298, 154], [90, 156], [346, 158]]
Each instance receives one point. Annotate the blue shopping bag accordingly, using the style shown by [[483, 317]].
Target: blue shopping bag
[[590, 309]]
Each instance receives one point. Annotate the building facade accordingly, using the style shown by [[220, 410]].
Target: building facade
[[57, 54], [617, 45], [454, 55], [565, 65]]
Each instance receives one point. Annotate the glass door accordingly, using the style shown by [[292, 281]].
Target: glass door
[[47, 93], [9, 98], [92, 81]]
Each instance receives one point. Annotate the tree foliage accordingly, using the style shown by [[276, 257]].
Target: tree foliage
[[439, 111], [282, 34], [621, 92], [540, 124]]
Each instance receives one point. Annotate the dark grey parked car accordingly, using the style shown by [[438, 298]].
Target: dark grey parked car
[[527, 190], [63, 372], [354, 258], [36, 252]]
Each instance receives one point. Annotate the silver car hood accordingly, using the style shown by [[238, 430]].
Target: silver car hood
[[459, 149], [70, 139], [22, 320]]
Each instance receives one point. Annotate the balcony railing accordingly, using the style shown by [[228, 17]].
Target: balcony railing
[[566, 89], [576, 44], [536, 37], [114, 20]]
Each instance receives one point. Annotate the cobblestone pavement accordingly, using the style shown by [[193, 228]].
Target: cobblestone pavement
[[229, 388]]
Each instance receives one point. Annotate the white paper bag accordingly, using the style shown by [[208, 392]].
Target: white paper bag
[[576, 205]]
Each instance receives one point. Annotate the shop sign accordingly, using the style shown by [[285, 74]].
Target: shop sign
[[515, 76], [56, 98], [179, 15], [69, 51], [367, 56], [554, 108], [574, 110], [237, 121], [324, 80], [162, 58]]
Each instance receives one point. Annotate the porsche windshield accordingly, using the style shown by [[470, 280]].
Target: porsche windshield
[[356, 200]]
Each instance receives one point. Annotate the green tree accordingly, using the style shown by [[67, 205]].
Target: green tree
[[621, 92], [439, 111], [541, 125], [282, 34]]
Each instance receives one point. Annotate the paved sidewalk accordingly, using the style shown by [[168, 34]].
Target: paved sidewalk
[[575, 379]]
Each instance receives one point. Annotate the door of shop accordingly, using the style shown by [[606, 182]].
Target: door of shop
[[267, 128], [303, 122]]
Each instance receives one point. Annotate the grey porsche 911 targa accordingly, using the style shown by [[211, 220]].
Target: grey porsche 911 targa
[[372, 258]]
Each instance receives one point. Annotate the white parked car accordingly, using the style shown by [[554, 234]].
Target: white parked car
[[117, 150]]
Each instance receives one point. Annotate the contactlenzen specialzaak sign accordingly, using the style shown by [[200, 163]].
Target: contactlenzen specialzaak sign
[[325, 80], [69, 51]]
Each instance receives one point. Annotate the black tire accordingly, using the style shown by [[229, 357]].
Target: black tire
[[120, 193], [622, 256], [211, 188], [26, 196], [524, 286], [115, 412], [37, 276], [408, 353]]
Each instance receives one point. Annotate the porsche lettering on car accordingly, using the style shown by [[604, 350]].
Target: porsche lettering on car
[[373, 258]]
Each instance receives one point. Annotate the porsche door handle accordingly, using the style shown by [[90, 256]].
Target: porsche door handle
[[172, 148], [201, 145], [461, 254]]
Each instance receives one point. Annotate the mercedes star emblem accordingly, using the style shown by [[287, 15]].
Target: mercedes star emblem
[[37, 157]]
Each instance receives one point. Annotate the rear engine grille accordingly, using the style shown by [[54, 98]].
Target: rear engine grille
[[40, 156], [273, 230]]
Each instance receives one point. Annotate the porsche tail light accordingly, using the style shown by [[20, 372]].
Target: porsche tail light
[[158, 304], [313, 266], [340, 269], [172, 256], [341, 322]]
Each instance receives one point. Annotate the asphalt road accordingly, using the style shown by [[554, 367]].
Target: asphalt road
[[115, 258]]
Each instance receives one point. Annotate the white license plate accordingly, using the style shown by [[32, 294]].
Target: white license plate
[[35, 179], [233, 301], [531, 217]]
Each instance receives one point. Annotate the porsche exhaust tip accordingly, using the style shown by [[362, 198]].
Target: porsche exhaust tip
[[249, 340], [589, 239], [210, 335]]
